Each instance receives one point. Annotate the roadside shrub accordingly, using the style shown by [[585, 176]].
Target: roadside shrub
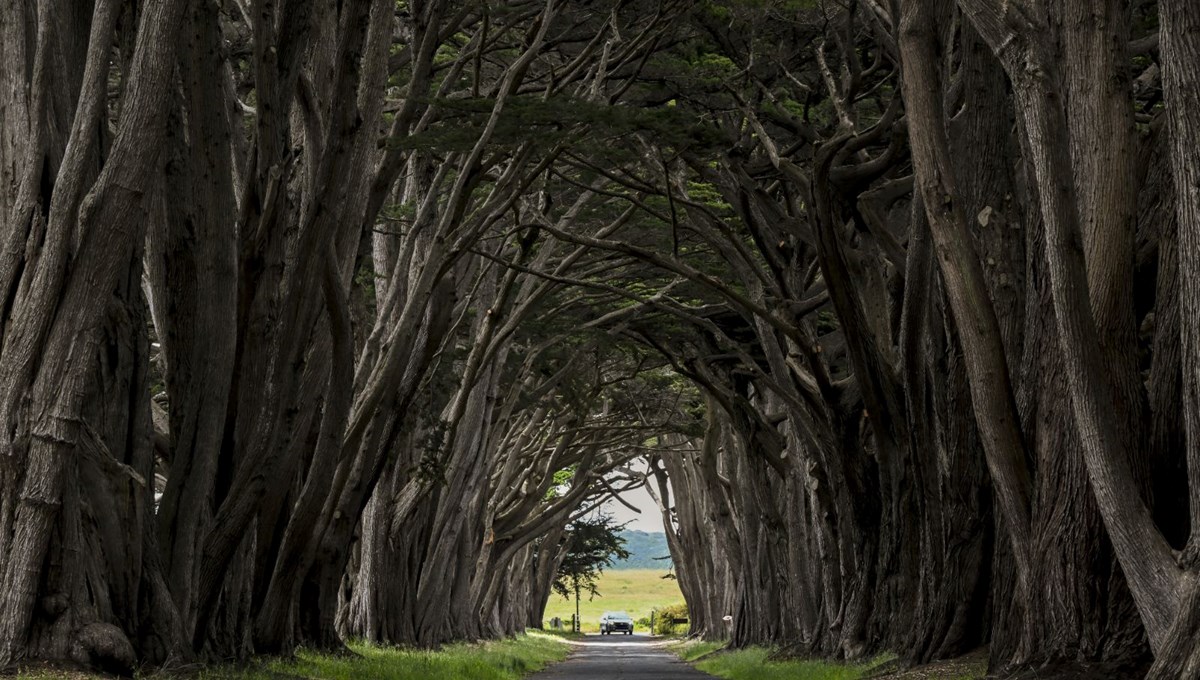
[[663, 623]]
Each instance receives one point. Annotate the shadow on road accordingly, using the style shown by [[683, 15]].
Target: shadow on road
[[629, 657], [635, 639]]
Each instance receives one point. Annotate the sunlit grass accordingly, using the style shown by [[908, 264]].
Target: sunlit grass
[[634, 591], [502, 660], [754, 664], [498, 660], [691, 650]]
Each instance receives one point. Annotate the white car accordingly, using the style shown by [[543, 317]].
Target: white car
[[616, 622]]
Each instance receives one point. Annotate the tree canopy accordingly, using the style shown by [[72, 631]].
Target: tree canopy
[[336, 319], [595, 544]]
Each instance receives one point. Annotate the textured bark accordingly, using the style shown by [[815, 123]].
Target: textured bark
[[192, 263], [1143, 553], [1181, 34], [1157, 219], [697, 543], [966, 288], [285, 568], [58, 432], [1097, 100], [953, 540], [547, 558], [901, 382], [1178, 656]]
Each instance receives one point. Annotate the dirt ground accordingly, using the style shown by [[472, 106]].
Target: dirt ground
[[970, 667]]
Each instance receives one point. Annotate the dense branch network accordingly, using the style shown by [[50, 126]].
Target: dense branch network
[[330, 320]]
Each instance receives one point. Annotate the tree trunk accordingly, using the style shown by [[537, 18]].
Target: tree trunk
[[1179, 655], [191, 265], [1144, 555], [57, 433], [966, 289]]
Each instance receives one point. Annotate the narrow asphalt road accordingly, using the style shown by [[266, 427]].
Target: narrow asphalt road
[[621, 657]]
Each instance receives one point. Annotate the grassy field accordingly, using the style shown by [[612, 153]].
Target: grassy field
[[634, 591], [501, 660]]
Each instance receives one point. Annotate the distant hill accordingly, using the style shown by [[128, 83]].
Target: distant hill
[[644, 547]]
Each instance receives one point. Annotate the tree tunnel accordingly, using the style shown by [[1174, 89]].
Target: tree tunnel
[[322, 320]]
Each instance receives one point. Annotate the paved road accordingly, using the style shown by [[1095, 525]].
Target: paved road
[[621, 657]]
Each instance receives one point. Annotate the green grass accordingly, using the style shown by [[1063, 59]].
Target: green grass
[[755, 664], [752, 664], [691, 650], [634, 591], [499, 660], [563, 634]]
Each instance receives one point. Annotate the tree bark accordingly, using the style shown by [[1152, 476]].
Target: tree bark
[[1145, 556], [983, 345], [1179, 655], [109, 227]]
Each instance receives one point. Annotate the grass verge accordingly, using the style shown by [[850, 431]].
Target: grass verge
[[497, 660], [694, 650], [756, 664]]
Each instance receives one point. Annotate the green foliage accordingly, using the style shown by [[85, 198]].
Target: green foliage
[[827, 322], [595, 544], [560, 479], [364, 281], [725, 9], [664, 620], [399, 212], [700, 69], [557, 119], [432, 466], [709, 195]]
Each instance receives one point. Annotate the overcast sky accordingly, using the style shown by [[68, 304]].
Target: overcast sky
[[650, 519]]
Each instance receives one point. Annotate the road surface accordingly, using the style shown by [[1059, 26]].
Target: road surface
[[621, 657]]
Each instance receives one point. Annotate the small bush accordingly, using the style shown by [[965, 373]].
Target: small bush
[[664, 617]]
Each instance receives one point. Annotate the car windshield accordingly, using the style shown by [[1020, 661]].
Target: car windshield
[[619, 616]]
